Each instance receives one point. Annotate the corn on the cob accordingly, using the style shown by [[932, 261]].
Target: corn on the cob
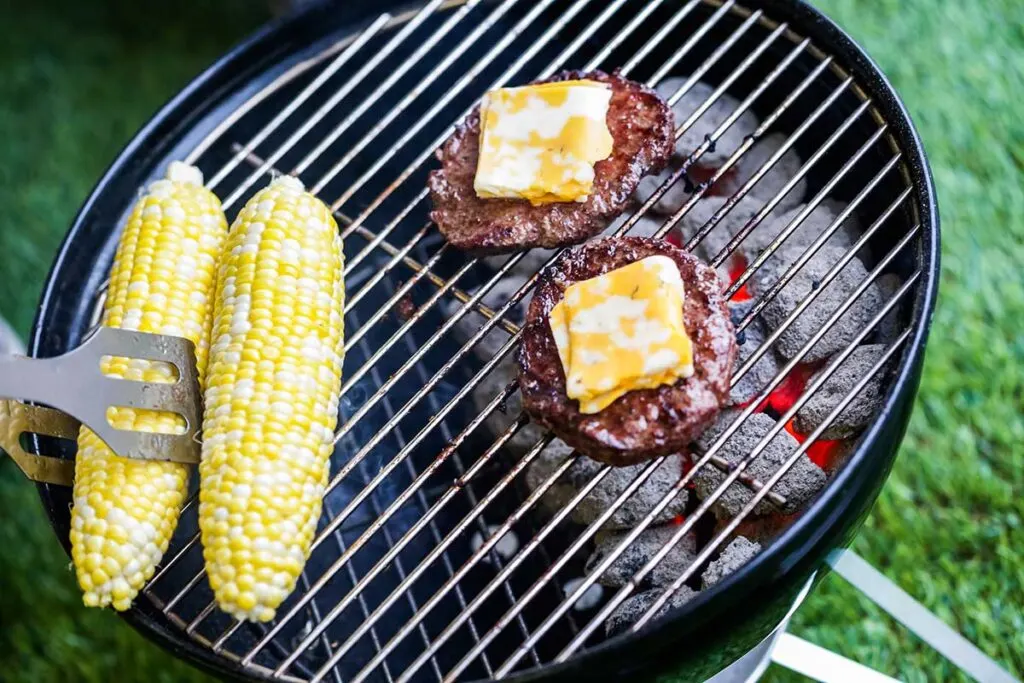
[[163, 281], [271, 397]]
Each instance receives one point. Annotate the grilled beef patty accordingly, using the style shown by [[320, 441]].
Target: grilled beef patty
[[642, 131], [645, 423]]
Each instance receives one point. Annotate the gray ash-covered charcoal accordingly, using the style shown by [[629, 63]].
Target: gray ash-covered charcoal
[[630, 611], [504, 415], [471, 321], [808, 279], [889, 327], [749, 340], [693, 138], [860, 410], [800, 483], [735, 555], [710, 120], [639, 552], [774, 179], [728, 227], [600, 499], [851, 225], [815, 224], [673, 198]]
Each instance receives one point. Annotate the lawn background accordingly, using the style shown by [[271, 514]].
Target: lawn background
[[78, 79]]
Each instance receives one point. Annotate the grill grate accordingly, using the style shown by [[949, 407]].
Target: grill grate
[[397, 587]]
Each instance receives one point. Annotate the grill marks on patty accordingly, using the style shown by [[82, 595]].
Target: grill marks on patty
[[645, 423], [642, 128]]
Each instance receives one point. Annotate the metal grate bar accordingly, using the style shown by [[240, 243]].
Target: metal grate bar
[[435, 532], [806, 256], [759, 217], [767, 343], [694, 156], [733, 524], [398, 255]]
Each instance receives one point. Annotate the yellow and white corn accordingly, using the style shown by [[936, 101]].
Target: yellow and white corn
[[162, 282], [271, 397]]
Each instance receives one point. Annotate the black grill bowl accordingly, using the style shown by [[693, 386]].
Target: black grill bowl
[[721, 624]]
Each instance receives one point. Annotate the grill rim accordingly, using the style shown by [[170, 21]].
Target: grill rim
[[827, 524]]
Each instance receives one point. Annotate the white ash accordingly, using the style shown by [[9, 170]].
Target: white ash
[[505, 548], [630, 611], [589, 599], [505, 414], [803, 480], [858, 413], [735, 555], [600, 499], [749, 340], [639, 552], [774, 179], [471, 321], [710, 120], [812, 319]]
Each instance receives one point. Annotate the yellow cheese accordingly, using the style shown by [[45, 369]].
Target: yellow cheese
[[540, 142], [622, 331]]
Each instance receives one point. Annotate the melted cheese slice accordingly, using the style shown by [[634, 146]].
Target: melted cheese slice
[[622, 331], [540, 142]]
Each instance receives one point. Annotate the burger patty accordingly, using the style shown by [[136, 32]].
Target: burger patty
[[642, 131], [645, 423]]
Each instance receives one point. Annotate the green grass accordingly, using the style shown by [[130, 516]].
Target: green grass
[[79, 79]]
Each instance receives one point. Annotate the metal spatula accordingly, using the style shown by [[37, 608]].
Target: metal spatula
[[74, 385]]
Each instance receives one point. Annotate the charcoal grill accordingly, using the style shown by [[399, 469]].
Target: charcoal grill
[[412, 577]]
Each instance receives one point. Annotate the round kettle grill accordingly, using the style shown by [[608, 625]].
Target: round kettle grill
[[433, 560]]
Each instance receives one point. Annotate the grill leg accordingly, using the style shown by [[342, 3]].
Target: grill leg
[[821, 664], [913, 615]]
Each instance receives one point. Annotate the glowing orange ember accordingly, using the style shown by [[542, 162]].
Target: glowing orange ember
[[822, 452], [678, 520], [737, 266], [787, 393]]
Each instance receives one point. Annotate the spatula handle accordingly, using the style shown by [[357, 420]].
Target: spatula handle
[[33, 379]]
